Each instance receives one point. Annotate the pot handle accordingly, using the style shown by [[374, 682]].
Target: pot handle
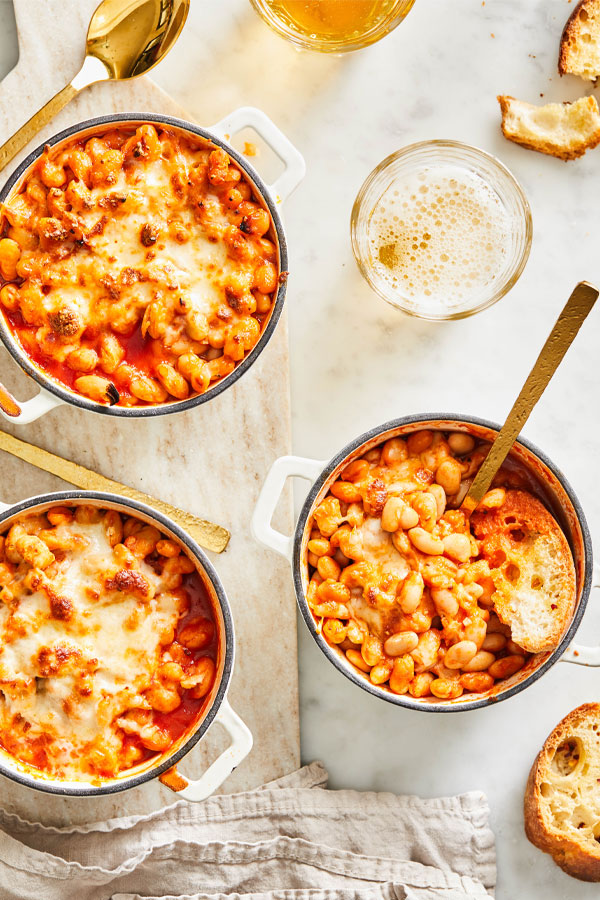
[[251, 117], [30, 410], [283, 468], [223, 766], [579, 653]]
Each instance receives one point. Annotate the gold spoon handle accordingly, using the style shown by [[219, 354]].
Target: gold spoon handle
[[27, 131], [207, 534], [560, 339]]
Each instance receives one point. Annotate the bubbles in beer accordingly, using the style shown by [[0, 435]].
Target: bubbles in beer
[[439, 236]]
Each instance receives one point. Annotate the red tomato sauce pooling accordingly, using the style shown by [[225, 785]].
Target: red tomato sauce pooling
[[179, 721]]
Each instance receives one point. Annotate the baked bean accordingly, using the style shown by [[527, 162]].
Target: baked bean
[[439, 494], [507, 666], [460, 443], [328, 568], [394, 450], [402, 674], [401, 643], [494, 642], [355, 471], [419, 441], [478, 682], [425, 542], [426, 652], [476, 631], [513, 649], [334, 591], [345, 491], [457, 547], [494, 499], [448, 475], [390, 516], [496, 626], [445, 602], [458, 655], [482, 660], [371, 650], [312, 559], [319, 546], [425, 505], [172, 381], [147, 389], [411, 593], [197, 634], [380, 673], [446, 690], [355, 515], [356, 659], [334, 630], [357, 631], [420, 685]]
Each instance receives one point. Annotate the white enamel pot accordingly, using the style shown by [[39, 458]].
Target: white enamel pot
[[217, 708], [52, 393], [554, 487]]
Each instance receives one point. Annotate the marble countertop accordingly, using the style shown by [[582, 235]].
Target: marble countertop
[[356, 362]]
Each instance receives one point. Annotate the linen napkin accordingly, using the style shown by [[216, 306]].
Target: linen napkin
[[291, 839]]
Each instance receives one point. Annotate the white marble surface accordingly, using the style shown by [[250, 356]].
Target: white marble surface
[[356, 362]]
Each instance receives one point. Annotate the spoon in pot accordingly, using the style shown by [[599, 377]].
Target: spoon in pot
[[560, 339], [125, 38]]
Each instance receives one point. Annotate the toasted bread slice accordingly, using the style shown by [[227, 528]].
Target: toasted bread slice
[[562, 797], [532, 569], [564, 130], [579, 52]]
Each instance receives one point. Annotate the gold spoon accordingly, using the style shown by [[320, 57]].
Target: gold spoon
[[207, 534], [125, 38], [561, 337]]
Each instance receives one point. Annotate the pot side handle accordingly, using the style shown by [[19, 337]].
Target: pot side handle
[[579, 653], [251, 117], [221, 768], [30, 410], [283, 468]]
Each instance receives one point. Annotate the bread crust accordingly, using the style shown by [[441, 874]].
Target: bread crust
[[574, 857], [542, 146], [512, 532], [571, 33]]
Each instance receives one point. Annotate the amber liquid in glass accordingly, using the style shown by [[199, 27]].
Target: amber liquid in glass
[[337, 22]]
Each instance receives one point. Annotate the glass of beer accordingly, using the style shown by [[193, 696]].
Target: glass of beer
[[333, 26], [441, 230]]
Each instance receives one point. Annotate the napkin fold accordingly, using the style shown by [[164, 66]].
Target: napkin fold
[[291, 839]]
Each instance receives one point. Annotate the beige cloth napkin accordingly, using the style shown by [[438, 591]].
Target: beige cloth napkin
[[289, 840]]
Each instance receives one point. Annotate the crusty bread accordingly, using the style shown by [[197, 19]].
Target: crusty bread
[[565, 130], [579, 52], [562, 798], [532, 569]]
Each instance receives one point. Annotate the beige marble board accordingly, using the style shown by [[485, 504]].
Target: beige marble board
[[210, 460]]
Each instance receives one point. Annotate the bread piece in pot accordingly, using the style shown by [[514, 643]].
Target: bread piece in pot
[[562, 798], [532, 569], [579, 52]]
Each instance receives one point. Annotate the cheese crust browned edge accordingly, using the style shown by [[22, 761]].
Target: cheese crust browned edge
[[542, 146], [570, 30], [566, 853]]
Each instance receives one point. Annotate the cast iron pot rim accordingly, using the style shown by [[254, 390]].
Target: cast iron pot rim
[[402, 699], [54, 386], [53, 786]]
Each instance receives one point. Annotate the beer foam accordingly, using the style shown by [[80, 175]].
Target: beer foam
[[440, 237]]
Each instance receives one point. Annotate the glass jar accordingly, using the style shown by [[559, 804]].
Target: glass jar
[[441, 230], [333, 26]]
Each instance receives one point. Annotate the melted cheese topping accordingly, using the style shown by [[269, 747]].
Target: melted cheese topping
[[81, 640], [150, 238]]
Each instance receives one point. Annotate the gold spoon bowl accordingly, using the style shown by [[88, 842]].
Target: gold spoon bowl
[[125, 39]]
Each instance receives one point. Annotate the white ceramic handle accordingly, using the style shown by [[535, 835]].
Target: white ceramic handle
[[283, 468], [250, 117], [223, 766], [32, 409], [579, 653]]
